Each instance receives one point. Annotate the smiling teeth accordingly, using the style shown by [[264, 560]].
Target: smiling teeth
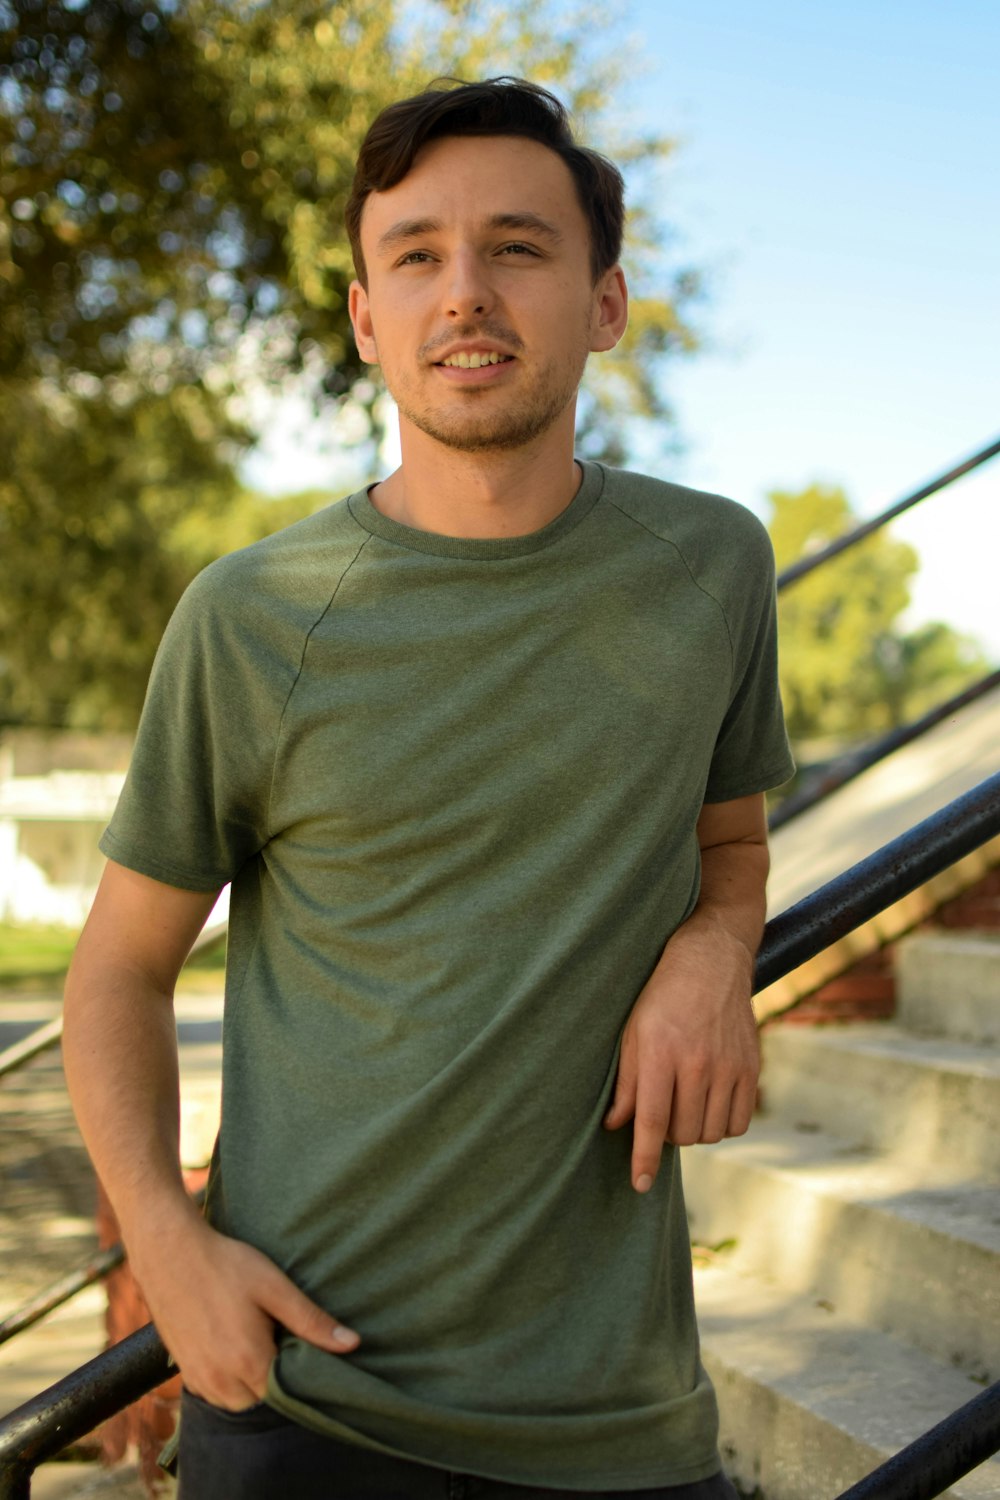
[[474, 361]]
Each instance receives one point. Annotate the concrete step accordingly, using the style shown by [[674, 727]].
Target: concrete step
[[948, 984], [870, 1239], [810, 1402], [73, 1481], [931, 1102]]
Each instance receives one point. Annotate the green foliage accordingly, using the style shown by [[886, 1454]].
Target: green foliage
[[847, 669], [176, 175], [173, 175], [92, 510]]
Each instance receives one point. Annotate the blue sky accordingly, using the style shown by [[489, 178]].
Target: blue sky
[[839, 178]]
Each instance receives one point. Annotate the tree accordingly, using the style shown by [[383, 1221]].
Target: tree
[[92, 513], [172, 181], [848, 671]]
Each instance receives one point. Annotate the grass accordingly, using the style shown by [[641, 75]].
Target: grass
[[33, 956]]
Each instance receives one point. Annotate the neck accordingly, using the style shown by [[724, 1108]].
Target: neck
[[491, 494]]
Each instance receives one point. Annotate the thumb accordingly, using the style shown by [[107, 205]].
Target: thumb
[[300, 1315], [623, 1105]]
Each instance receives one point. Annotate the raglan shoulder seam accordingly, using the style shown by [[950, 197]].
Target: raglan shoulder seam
[[307, 637], [669, 542]]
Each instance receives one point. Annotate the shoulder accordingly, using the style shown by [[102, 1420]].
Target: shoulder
[[706, 528], [279, 585], [298, 563]]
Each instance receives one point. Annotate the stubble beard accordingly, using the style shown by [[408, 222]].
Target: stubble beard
[[512, 425], [492, 432]]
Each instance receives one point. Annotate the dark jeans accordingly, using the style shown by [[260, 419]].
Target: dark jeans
[[260, 1455]]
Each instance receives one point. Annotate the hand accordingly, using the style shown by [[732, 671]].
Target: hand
[[215, 1302], [690, 1057]]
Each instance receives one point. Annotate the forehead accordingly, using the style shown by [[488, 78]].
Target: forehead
[[462, 180]]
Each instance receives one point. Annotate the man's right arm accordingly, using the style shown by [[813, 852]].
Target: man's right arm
[[215, 1300]]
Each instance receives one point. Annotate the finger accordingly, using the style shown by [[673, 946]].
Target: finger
[[691, 1090], [300, 1315], [231, 1396], [742, 1105], [718, 1114], [654, 1097], [623, 1105]]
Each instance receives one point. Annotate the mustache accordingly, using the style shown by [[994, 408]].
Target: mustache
[[468, 331]]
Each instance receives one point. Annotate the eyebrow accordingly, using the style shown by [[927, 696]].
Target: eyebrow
[[411, 229]]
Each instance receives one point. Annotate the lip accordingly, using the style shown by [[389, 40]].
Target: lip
[[473, 346], [485, 375]]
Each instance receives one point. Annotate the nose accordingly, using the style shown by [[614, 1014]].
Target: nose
[[467, 291]]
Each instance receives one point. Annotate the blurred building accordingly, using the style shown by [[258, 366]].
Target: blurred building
[[57, 792]]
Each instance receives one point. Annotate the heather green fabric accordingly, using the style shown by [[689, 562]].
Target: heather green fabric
[[455, 784]]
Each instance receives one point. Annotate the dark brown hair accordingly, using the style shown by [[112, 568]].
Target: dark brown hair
[[498, 106]]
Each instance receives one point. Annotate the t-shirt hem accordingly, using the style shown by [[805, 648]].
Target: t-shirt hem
[[158, 869], [461, 1460]]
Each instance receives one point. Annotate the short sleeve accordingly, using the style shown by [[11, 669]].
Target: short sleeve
[[194, 806], [751, 750]]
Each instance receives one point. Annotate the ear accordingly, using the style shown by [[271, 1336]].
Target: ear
[[361, 321], [610, 314]]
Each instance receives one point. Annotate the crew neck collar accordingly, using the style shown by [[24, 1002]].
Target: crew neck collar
[[582, 503]]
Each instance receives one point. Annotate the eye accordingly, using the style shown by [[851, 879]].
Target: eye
[[518, 247], [414, 258]]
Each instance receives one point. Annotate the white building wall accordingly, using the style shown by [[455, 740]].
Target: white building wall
[[56, 795]]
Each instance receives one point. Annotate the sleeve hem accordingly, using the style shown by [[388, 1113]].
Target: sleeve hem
[[766, 781], [162, 870]]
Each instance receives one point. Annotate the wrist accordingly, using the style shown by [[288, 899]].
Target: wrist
[[709, 936], [163, 1227]]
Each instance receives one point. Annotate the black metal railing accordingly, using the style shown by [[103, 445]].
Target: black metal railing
[[74, 1406], [99, 1265], [885, 877], [70, 1409], [927, 1467], [864, 756], [840, 544]]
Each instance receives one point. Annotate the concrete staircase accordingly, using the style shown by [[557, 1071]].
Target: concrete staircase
[[851, 1296]]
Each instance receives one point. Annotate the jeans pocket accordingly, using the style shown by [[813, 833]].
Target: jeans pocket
[[248, 1419]]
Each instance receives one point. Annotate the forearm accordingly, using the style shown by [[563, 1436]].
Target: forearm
[[689, 1054], [120, 1057], [215, 1300], [731, 904], [120, 1046]]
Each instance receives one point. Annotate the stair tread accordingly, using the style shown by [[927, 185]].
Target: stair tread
[[886, 1039], [828, 1165], [862, 1382]]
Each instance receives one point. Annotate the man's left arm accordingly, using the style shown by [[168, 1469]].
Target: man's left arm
[[689, 1055]]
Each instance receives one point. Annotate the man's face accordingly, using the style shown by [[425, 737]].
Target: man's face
[[480, 305]]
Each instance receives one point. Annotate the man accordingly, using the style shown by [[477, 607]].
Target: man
[[482, 751]]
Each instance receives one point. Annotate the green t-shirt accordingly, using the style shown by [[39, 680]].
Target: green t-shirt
[[455, 784]]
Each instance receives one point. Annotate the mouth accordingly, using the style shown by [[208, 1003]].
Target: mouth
[[474, 360]]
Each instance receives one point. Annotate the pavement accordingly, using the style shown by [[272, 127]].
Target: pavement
[[47, 1202]]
